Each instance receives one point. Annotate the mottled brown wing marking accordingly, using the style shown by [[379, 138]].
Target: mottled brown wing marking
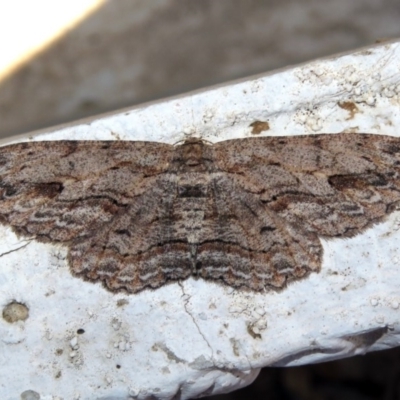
[[246, 213], [254, 248], [330, 185], [76, 192]]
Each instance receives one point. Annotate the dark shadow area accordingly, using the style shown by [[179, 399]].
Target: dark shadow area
[[375, 376]]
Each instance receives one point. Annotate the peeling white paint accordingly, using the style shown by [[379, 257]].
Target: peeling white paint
[[195, 338]]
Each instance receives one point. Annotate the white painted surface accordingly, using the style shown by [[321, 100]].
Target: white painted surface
[[198, 338]]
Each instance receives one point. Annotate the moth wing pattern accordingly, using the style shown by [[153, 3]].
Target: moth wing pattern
[[247, 213], [291, 191], [70, 192]]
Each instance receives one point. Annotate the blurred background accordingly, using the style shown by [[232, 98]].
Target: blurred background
[[63, 60]]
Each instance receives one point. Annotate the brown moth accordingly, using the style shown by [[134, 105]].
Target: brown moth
[[248, 213]]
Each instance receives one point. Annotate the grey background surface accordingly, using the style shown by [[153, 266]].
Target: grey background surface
[[131, 51]]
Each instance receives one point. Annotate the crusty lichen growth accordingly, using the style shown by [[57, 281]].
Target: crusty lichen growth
[[15, 311]]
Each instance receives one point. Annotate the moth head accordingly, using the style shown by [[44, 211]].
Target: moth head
[[192, 154]]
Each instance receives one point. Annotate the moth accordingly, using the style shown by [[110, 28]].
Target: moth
[[247, 213]]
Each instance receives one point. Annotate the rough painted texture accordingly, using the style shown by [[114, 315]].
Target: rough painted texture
[[246, 213], [198, 338]]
